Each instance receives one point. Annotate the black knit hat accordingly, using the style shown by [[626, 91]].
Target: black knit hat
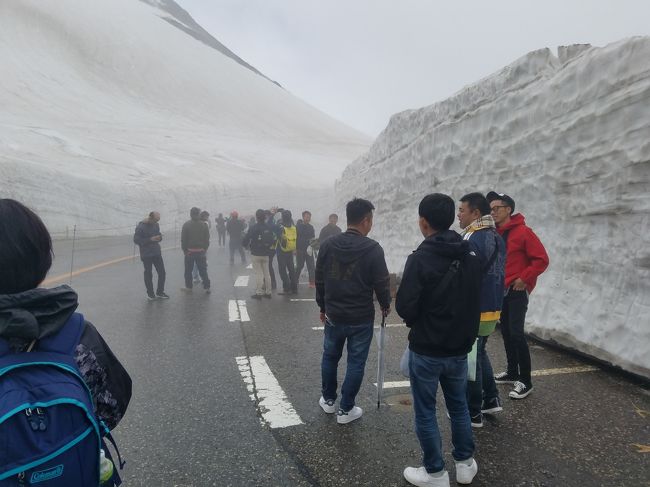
[[492, 195]]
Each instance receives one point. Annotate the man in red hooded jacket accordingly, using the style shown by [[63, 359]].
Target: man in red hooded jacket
[[526, 259]]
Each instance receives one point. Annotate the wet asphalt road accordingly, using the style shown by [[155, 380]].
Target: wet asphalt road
[[191, 421]]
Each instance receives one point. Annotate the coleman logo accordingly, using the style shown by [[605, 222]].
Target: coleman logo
[[49, 474]]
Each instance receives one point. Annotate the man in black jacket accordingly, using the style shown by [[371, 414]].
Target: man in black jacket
[[235, 228], [331, 229], [147, 236], [195, 240], [443, 316], [349, 268], [306, 233], [260, 239]]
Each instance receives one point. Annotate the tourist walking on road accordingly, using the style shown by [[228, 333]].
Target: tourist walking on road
[[330, 229], [205, 217], [526, 259], [480, 231], [270, 221], [260, 238], [286, 249], [350, 267], [195, 240], [147, 237], [221, 229], [438, 299], [306, 234], [235, 228]]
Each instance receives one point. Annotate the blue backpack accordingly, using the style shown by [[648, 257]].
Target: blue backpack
[[49, 433]]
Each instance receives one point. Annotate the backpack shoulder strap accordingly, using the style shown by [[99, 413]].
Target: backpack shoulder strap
[[444, 283], [66, 340]]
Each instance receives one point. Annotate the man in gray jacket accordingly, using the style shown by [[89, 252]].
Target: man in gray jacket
[[147, 236], [195, 240]]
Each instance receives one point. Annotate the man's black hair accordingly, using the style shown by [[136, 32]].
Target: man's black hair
[[260, 215], [287, 220], [306, 212], [25, 248], [476, 201], [357, 209], [194, 212], [334, 215], [438, 210]]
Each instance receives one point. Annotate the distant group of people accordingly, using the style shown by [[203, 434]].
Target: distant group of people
[[455, 288]]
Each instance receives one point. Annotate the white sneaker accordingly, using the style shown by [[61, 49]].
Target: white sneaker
[[343, 418], [421, 478], [328, 406], [466, 473]]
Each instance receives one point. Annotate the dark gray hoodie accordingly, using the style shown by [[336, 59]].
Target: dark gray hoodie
[[349, 268]]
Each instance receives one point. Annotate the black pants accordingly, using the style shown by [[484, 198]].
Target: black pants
[[513, 316], [274, 283], [222, 237], [201, 262], [234, 247], [157, 262], [287, 272], [303, 258]]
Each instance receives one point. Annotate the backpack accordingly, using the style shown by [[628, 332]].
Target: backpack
[[460, 290], [288, 239], [47, 410], [264, 242]]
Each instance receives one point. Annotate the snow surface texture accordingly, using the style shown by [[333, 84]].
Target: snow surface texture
[[569, 139], [110, 110]]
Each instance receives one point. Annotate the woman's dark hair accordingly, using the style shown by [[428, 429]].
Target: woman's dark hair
[[287, 220], [357, 209], [438, 210], [25, 248]]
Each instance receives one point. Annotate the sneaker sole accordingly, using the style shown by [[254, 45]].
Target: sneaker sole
[[514, 395], [328, 411], [476, 425], [498, 381], [492, 410], [346, 420]]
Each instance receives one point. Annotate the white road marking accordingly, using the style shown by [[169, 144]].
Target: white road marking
[[534, 373], [265, 391], [243, 312], [249, 266], [392, 325], [237, 310], [241, 281], [298, 299]]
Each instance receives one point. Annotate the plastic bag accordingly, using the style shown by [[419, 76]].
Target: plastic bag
[[471, 362]]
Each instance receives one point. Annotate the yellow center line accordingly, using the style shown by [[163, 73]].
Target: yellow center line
[[83, 270]]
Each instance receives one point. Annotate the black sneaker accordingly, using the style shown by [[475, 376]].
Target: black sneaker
[[492, 406], [504, 378], [256, 296], [477, 421], [162, 295], [151, 297], [520, 390]]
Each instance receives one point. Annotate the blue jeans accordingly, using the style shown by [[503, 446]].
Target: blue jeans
[[483, 389], [358, 338], [451, 373]]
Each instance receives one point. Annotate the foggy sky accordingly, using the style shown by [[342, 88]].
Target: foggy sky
[[361, 61]]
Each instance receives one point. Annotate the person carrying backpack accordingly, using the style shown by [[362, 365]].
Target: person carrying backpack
[[260, 239], [61, 387], [286, 249], [439, 298], [147, 237]]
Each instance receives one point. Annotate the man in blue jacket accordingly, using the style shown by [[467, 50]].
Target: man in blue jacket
[[480, 231], [350, 267], [147, 237]]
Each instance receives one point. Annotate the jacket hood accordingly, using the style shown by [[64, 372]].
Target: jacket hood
[[515, 221], [448, 244], [350, 245], [35, 314]]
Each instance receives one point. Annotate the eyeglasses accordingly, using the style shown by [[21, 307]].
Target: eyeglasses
[[495, 208]]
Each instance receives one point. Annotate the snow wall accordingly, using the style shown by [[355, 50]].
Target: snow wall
[[568, 138], [113, 108]]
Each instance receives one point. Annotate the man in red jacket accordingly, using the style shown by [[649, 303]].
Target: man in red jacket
[[526, 259]]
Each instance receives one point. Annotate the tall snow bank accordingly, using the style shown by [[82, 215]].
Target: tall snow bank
[[109, 110], [569, 140]]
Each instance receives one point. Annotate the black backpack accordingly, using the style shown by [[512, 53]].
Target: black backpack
[[263, 241], [460, 289]]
